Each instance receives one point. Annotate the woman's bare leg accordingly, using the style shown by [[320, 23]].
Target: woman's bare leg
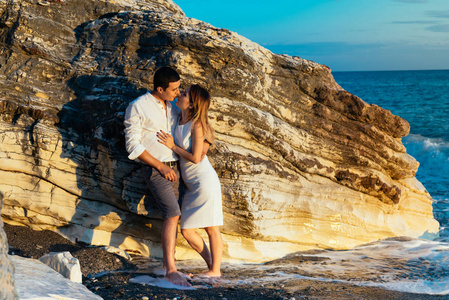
[[197, 243], [216, 249]]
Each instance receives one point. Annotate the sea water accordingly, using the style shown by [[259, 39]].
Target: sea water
[[402, 264]]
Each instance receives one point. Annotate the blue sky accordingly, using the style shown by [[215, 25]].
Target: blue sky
[[346, 35]]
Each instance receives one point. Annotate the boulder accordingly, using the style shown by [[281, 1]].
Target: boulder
[[65, 264], [303, 163], [36, 280]]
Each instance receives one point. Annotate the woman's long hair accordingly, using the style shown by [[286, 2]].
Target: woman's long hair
[[200, 98]]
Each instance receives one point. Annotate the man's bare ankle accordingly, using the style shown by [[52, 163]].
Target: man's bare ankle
[[171, 271]]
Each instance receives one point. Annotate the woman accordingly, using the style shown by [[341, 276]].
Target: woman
[[201, 204]]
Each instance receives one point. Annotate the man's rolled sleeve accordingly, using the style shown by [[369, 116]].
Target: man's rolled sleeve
[[133, 132], [136, 152]]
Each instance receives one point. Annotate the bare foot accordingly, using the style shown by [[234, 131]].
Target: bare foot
[[177, 279], [209, 274]]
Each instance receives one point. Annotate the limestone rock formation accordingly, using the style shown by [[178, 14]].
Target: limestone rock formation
[[7, 288], [303, 163]]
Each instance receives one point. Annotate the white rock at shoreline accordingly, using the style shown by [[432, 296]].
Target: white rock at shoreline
[[35, 280], [65, 264]]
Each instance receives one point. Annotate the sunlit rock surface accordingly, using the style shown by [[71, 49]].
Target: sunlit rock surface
[[36, 280], [303, 163]]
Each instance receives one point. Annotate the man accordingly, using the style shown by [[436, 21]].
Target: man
[[144, 117]]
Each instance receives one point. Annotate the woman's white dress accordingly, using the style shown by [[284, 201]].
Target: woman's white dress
[[201, 204]]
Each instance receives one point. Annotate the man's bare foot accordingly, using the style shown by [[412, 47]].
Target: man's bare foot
[[160, 271], [176, 278], [209, 274]]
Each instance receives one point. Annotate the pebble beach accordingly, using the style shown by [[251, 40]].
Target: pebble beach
[[110, 276]]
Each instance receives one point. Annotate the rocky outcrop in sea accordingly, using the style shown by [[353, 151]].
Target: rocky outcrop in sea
[[303, 163]]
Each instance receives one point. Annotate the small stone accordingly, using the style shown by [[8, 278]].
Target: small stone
[[145, 298]]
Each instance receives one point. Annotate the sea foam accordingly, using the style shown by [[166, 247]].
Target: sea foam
[[433, 172], [432, 153], [400, 264]]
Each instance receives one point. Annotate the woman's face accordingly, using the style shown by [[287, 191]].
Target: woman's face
[[184, 100]]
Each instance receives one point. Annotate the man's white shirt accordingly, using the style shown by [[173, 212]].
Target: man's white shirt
[[144, 117]]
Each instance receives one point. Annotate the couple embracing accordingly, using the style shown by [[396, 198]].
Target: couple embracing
[[172, 140]]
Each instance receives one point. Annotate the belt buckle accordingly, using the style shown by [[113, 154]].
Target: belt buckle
[[171, 164]]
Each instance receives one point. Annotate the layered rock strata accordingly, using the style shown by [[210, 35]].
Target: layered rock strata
[[303, 163]]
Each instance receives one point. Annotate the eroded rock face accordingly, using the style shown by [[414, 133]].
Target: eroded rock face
[[303, 163]]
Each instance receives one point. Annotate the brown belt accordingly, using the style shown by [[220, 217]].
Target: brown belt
[[171, 164]]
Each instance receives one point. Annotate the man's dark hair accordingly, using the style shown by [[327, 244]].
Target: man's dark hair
[[164, 76]]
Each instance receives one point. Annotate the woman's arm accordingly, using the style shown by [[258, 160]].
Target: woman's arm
[[197, 144]]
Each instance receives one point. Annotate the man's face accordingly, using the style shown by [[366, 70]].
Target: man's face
[[171, 92]]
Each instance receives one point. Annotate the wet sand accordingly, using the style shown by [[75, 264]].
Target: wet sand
[[116, 283]]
